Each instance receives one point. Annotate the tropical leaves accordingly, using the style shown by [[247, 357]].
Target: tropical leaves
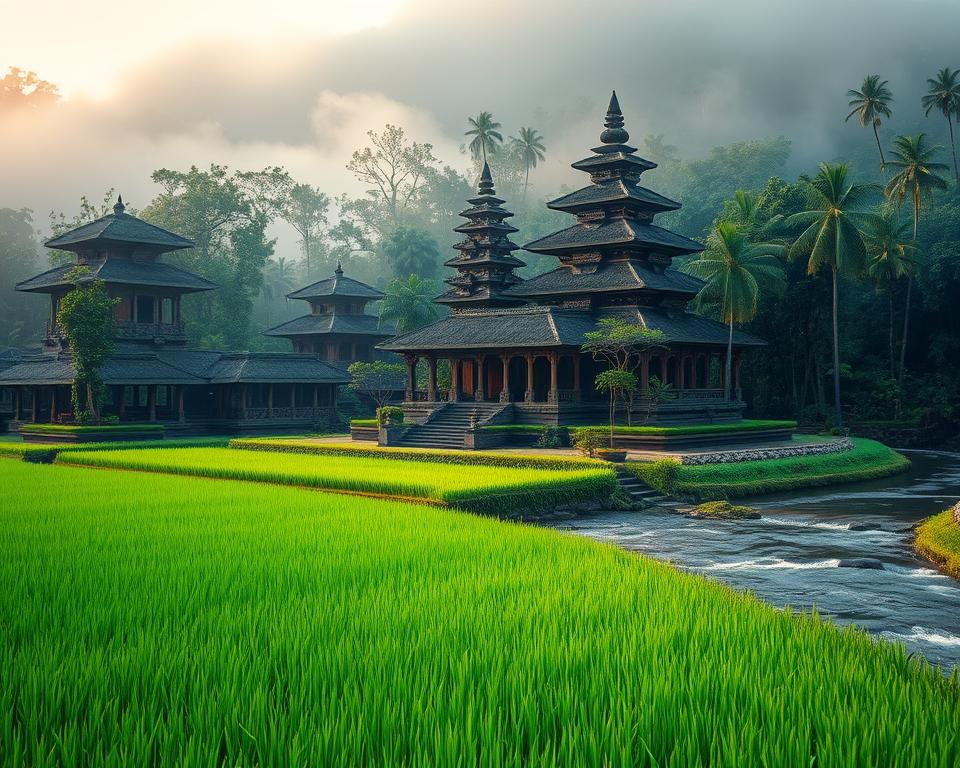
[[869, 104], [409, 303], [486, 136], [944, 96], [918, 175]]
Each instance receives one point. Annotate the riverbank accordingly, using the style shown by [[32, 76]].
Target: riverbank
[[938, 540], [866, 460], [289, 621]]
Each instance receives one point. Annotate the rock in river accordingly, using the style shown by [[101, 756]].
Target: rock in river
[[861, 562]]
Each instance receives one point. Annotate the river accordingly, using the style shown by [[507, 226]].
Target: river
[[791, 555]]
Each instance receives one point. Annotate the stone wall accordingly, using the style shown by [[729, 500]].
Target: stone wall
[[956, 513], [757, 454]]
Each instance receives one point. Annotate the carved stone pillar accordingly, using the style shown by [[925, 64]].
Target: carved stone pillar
[[454, 379], [53, 404], [478, 392], [682, 378], [181, 412], [644, 371], [552, 396], [431, 379], [411, 391], [505, 387], [152, 401], [528, 395]]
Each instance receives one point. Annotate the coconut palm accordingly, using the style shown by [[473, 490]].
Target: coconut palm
[[278, 280], [409, 303], [486, 136], [736, 271], [918, 176], [531, 150], [944, 95], [832, 239], [869, 104], [890, 258]]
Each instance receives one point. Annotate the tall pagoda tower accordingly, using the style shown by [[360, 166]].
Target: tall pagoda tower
[[485, 264], [614, 255]]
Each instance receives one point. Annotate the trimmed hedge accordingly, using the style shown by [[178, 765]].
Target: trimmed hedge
[[363, 423], [661, 475], [89, 429], [747, 425], [938, 540], [868, 460], [482, 458], [46, 453]]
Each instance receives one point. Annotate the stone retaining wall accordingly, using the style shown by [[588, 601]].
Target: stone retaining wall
[[757, 454], [956, 513]]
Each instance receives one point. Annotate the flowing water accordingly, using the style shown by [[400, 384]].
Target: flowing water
[[791, 555]]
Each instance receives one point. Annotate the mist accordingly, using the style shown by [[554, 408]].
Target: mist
[[700, 74]]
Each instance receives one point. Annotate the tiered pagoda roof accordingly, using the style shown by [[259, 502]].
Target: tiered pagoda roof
[[337, 287], [485, 264], [614, 246]]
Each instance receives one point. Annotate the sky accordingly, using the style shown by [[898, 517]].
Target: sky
[[299, 82]]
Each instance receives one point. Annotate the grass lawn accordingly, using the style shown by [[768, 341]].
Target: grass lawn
[[867, 460], [938, 540], [153, 619], [487, 489], [47, 452], [745, 425]]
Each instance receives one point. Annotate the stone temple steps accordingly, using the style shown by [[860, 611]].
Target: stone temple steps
[[449, 424], [638, 491]]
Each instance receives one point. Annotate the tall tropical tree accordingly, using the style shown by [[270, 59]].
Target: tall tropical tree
[[917, 176], [409, 303], [736, 271], [831, 239], [944, 96], [869, 104], [486, 136], [530, 144], [890, 259]]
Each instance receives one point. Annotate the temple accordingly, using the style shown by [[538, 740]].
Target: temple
[[338, 328], [153, 375], [514, 345]]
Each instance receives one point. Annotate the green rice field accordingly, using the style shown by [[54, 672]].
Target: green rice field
[[479, 488], [151, 619]]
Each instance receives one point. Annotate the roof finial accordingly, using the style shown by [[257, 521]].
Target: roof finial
[[118, 207], [339, 270], [614, 133], [486, 181]]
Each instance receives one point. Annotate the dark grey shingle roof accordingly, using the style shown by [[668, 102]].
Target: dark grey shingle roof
[[609, 276], [125, 271], [618, 231], [361, 325], [611, 192], [279, 367], [338, 285], [499, 328], [120, 228], [144, 368]]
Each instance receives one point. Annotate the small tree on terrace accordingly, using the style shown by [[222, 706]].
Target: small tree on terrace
[[378, 380], [85, 315], [617, 384], [620, 343]]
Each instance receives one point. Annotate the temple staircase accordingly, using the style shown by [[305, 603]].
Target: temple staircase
[[641, 493], [448, 425]]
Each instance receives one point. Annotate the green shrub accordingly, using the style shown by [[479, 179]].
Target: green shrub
[[363, 423], [724, 510], [550, 437], [390, 416], [47, 452], [747, 425], [473, 458], [661, 475], [89, 429]]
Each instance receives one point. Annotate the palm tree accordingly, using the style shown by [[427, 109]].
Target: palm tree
[[918, 177], [832, 238], [736, 271], [944, 95], [532, 151], [409, 303], [870, 103], [486, 136], [278, 280], [890, 258]]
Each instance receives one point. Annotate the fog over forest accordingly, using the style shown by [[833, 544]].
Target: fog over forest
[[702, 78]]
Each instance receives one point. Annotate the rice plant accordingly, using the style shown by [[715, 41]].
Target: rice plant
[[148, 619]]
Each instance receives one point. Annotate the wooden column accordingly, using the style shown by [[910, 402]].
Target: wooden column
[[181, 412], [644, 371], [293, 399], [122, 401], [316, 395], [34, 396], [431, 379], [411, 391], [528, 395], [454, 379], [269, 401], [505, 388], [16, 403], [552, 395], [737, 360], [53, 404], [152, 401], [682, 377], [243, 401], [576, 377], [478, 392]]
